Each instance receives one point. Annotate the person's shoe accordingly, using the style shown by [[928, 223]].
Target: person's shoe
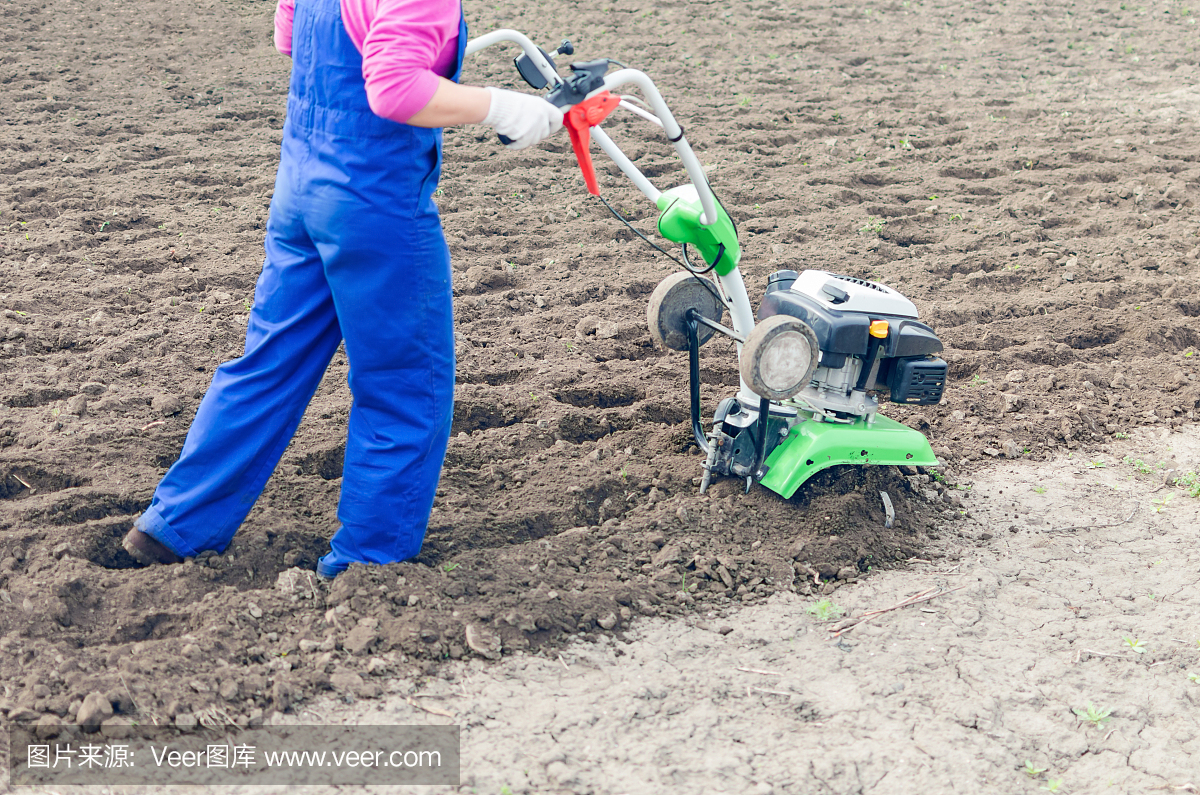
[[327, 570], [148, 550]]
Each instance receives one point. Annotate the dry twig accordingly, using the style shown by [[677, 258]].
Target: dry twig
[[923, 596], [433, 710], [1094, 526], [759, 671]]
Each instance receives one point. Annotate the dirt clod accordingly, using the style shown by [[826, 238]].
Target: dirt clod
[[95, 710]]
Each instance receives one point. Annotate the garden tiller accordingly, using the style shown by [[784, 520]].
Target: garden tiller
[[824, 347]]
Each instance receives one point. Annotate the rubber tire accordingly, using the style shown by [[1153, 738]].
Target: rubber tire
[[762, 357], [667, 312]]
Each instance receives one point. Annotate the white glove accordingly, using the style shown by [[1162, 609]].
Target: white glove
[[522, 118]]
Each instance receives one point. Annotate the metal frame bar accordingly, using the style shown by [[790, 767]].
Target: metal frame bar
[[521, 40], [694, 378]]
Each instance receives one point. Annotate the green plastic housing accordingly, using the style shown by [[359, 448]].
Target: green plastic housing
[[812, 446], [679, 217]]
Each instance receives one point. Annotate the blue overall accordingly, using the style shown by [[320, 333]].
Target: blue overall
[[354, 252]]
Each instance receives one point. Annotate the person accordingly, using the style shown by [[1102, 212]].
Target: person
[[354, 253]]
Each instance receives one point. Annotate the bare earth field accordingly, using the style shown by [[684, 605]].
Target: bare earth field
[[1025, 172]]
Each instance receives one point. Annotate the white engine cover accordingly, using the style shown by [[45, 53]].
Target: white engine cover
[[860, 295]]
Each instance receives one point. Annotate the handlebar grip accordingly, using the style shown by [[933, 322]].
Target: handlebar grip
[[504, 139]]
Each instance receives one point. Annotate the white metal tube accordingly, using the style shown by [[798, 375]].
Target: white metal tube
[[520, 39], [673, 131], [741, 315], [627, 167], [645, 114]]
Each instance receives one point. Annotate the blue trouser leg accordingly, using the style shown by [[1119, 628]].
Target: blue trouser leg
[[392, 291], [254, 404]]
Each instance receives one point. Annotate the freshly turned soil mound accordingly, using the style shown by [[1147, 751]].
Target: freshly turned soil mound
[[1027, 179]]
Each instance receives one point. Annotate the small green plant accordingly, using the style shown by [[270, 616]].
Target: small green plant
[[1052, 785], [1193, 676], [1032, 770], [873, 225], [958, 217], [1160, 504], [1138, 646], [449, 567], [624, 474], [1138, 464], [1190, 482], [1120, 435], [824, 610], [246, 304], [1039, 489], [744, 102], [1093, 714], [1096, 465], [978, 380]]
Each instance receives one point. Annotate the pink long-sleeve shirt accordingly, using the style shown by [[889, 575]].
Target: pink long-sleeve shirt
[[406, 45]]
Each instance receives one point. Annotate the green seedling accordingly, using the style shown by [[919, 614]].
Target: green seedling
[[1190, 482], [1138, 464], [1138, 646], [744, 102], [1052, 785], [958, 217], [874, 225], [449, 567], [1093, 714], [1039, 489], [1031, 770], [978, 380], [1159, 505], [1193, 676], [1096, 465], [824, 610], [1120, 435]]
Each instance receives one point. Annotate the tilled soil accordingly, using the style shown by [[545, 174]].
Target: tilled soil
[[1025, 173]]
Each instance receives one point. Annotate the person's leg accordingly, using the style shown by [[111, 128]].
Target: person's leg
[[254, 404], [392, 293]]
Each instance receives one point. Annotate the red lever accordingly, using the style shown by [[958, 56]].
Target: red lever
[[579, 121]]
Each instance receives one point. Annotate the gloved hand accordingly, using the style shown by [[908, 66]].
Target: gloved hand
[[522, 118]]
